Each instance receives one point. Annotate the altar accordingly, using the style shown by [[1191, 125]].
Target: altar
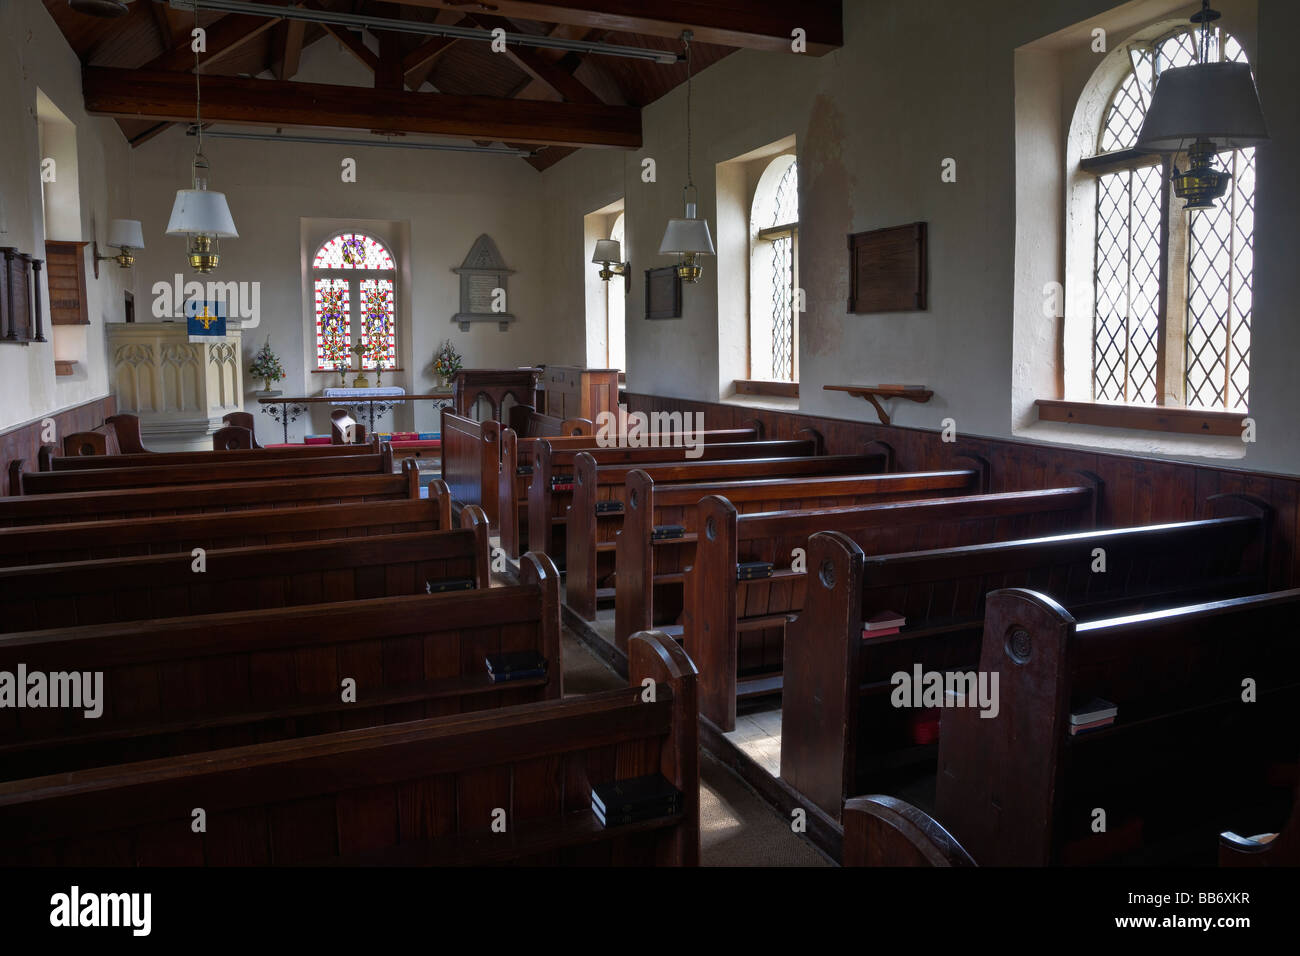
[[367, 403]]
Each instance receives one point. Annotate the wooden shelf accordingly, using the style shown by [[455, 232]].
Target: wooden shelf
[[1159, 418], [62, 367], [873, 394]]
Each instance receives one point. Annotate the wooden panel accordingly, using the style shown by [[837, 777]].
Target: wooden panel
[[24, 441], [66, 265], [887, 269]]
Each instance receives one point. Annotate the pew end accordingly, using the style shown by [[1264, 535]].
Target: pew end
[[819, 705], [232, 438], [814, 436], [473, 519], [654, 656], [45, 456], [885, 450], [127, 429], [760, 430], [885, 831], [538, 569]]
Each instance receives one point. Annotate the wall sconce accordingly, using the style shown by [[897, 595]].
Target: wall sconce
[[124, 235], [609, 255]]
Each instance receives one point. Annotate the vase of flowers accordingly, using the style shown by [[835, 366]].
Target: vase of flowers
[[446, 363], [266, 366]]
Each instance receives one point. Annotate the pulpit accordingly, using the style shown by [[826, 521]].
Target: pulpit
[[180, 389]]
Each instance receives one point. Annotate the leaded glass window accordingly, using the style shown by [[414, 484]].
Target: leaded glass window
[[355, 270], [774, 332], [1165, 333]]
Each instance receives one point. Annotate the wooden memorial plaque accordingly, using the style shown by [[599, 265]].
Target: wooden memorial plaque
[[887, 270]]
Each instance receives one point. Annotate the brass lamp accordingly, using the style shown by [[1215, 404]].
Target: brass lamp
[[609, 256], [1203, 109], [688, 238], [125, 235]]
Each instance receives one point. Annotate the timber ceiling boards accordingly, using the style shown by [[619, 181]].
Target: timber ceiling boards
[[575, 98]]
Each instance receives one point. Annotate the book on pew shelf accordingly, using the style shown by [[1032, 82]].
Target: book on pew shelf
[[428, 436], [524, 470], [634, 800], [664, 531], [515, 665], [883, 624], [924, 726], [609, 507], [753, 570], [316, 440], [448, 584], [561, 482], [1093, 711]]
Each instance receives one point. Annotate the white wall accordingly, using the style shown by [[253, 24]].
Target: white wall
[[916, 82], [34, 56], [432, 206]]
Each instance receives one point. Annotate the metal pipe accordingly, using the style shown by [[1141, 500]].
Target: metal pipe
[[365, 21], [343, 141]]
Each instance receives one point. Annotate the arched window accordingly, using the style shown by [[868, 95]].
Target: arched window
[[1172, 290], [774, 267], [350, 270], [616, 301]]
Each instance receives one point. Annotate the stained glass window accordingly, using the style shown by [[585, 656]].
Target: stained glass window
[[1134, 206], [340, 266]]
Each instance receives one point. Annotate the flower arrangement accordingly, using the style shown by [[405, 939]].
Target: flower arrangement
[[446, 361], [266, 365]]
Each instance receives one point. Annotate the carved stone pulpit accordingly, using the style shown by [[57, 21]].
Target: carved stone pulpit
[[180, 389]]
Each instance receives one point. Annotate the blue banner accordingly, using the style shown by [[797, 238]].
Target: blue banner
[[205, 320]]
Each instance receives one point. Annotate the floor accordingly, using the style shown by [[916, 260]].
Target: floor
[[737, 828]]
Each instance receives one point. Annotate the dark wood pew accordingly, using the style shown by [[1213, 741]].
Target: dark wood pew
[[184, 685], [141, 476], [41, 596], [86, 540], [471, 459], [550, 493], [1264, 849], [841, 734], [204, 499], [518, 455], [651, 570], [885, 831], [528, 421], [50, 462], [735, 629], [1187, 753], [422, 792]]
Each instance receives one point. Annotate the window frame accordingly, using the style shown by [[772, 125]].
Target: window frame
[[783, 388], [1175, 234]]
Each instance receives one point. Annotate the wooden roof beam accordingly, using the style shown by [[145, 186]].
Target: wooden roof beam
[[755, 24], [532, 62], [161, 95]]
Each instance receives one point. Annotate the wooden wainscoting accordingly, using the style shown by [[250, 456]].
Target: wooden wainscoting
[[23, 441]]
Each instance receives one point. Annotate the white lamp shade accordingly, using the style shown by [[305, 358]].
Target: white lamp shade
[[687, 236], [125, 234], [201, 211], [607, 250], [1214, 101]]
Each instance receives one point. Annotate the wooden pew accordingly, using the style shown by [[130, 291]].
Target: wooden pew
[[527, 421], [885, 831], [1186, 754], [87, 540], [186, 685], [50, 462], [840, 733], [651, 570], [734, 627], [260, 469], [203, 499], [1265, 849], [550, 493], [280, 575], [421, 792], [518, 456]]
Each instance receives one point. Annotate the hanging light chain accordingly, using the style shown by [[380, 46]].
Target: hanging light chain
[[686, 39]]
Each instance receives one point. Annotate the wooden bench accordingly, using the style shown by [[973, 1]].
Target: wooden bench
[[550, 493], [423, 792], [1186, 754], [518, 456], [735, 629], [213, 498], [841, 734], [885, 831], [43, 596], [87, 540], [50, 462], [1266, 849], [651, 569], [140, 476], [185, 685]]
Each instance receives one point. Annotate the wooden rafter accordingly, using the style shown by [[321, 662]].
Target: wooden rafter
[[163, 95], [756, 24], [286, 50], [536, 65], [223, 37]]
